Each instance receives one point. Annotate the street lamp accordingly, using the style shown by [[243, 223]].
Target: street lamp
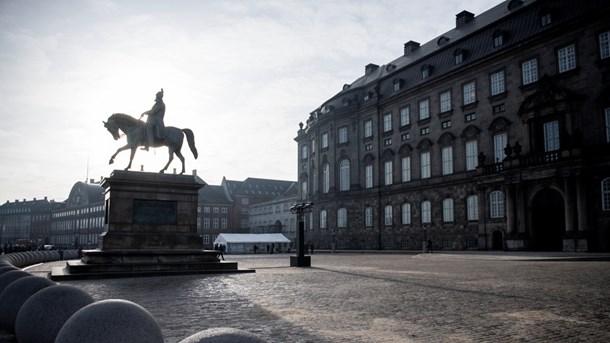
[[301, 260]]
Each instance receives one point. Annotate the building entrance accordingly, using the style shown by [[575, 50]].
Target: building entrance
[[497, 240], [548, 221]]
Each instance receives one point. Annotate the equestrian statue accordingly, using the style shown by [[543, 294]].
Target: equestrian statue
[[153, 133]]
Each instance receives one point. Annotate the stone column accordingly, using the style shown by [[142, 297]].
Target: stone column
[[521, 218], [581, 201], [569, 207], [510, 209]]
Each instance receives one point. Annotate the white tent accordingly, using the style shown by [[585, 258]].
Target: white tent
[[245, 242]]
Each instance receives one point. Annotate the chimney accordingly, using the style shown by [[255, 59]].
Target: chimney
[[45, 198], [194, 172], [141, 167], [369, 68], [411, 46], [91, 180], [463, 18], [174, 170]]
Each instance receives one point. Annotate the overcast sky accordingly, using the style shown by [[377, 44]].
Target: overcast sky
[[240, 74]]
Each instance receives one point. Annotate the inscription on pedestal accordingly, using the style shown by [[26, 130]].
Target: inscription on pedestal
[[154, 212]]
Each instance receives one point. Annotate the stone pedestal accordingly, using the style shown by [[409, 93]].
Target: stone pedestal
[[151, 229]]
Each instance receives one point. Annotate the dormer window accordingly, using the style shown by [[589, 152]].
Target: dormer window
[[546, 17], [426, 71], [345, 102], [397, 85], [458, 56], [366, 97], [498, 37]]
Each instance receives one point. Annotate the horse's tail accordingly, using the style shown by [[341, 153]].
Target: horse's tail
[[190, 137]]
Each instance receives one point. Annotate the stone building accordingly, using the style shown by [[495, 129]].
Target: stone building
[[26, 222], [494, 135], [80, 221], [226, 208], [274, 216], [214, 208]]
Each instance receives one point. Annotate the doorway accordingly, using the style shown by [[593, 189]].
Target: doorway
[[548, 220], [497, 242]]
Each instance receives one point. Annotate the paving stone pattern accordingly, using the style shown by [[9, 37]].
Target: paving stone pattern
[[382, 298]]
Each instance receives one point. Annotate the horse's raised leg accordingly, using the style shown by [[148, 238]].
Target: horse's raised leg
[[117, 152], [171, 158], [179, 154], [133, 153]]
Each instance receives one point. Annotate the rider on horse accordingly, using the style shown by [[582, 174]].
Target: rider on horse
[[154, 123]]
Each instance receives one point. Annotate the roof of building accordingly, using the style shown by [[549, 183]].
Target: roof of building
[[85, 194], [213, 195], [32, 205], [258, 187], [251, 238], [434, 53]]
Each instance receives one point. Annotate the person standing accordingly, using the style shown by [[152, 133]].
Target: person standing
[[155, 127], [429, 243]]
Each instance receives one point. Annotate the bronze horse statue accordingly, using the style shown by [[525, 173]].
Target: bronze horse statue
[[136, 135]]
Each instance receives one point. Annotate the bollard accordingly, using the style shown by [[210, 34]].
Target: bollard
[[112, 320]]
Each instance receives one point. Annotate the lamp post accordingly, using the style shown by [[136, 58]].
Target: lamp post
[[300, 260]]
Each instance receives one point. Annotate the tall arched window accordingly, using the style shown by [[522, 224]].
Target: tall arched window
[[406, 213], [344, 175], [472, 205], [325, 178], [606, 194], [448, 210], [323, 220], [496, 204], [368, 217], [426, 212], [388, 215], [342, 218]]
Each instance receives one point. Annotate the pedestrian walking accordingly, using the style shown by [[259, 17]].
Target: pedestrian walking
[[311, 248], [429, 245], [268, 248], [221, 250], [255, 248]]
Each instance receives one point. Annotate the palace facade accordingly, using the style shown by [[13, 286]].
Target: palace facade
[[493, 136]]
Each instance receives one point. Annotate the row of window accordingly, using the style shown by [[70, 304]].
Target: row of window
[[496, 202], [566, 61], [214, 223], [496, 210], [206, 209], [551, 134]]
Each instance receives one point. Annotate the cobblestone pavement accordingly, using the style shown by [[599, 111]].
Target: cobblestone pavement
[[382, 298]]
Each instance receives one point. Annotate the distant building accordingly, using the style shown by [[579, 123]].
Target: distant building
[[214, 208], [274, 216], [27, 221], [80, 221], [226, 208], [494, 135]]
